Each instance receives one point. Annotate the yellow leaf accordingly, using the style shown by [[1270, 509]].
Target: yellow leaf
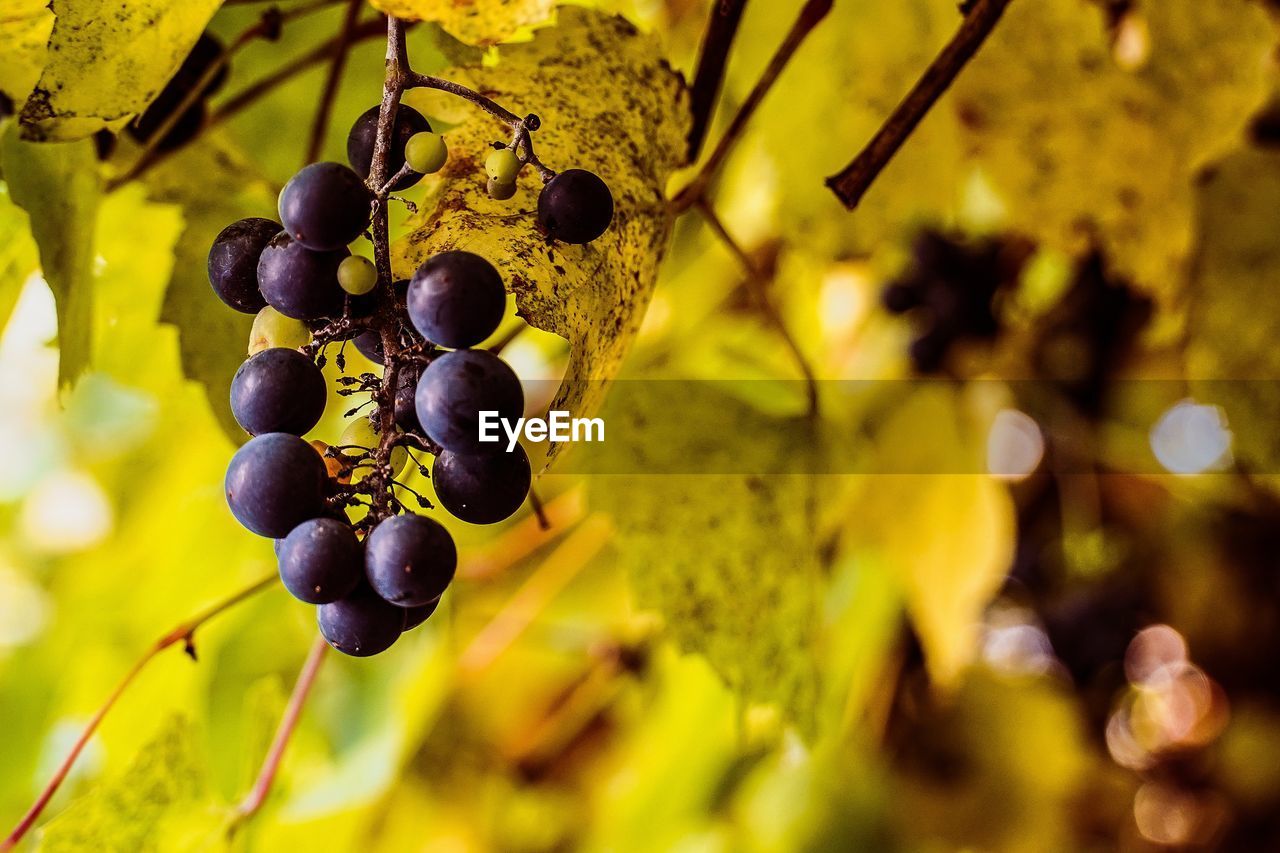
[[472, 21], [608, 103], [1107, 145], [107, 61], [24, 31], [947, 537]]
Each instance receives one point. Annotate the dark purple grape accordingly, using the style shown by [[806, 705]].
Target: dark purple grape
[[370, 345], [325, 206], [575, 206], [360, 624], [482, 489], [415, 616], [456, 388], [321, 561], [233, 262], [183, 131], [410, 559], [274, 483], [364, 133], [456, 299], [278, 390], [406, 389], [298, 282]]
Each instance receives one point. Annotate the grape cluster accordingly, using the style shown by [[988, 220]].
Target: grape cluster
[[345, 541], [950, 288]]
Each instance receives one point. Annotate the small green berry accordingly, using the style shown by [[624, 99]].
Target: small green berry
[[357, 275], [501, 191], [426, 152], [502, 166], [273, 329]]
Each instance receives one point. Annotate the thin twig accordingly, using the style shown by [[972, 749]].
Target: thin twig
[[852, 182], [184, 632], [538, 510], [722, 27], [756, 286], [320, 127], [521, 142], [250, 805], [810, 16]]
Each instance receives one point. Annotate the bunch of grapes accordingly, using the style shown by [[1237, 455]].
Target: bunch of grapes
[[950, 288], [345, 541]]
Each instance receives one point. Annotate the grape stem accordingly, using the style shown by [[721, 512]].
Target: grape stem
[[756, 281], [853, 181], [183, 632], [378, 484], [252, 803]]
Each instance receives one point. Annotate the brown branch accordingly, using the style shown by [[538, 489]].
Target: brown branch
[[852, 182], [810, 16], [184, 632], [722, 27], [341, 47], [756, 286], [250, 805]]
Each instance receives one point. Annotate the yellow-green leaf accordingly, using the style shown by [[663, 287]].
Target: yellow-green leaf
[[473, 21], [58, 186], [947, 537], [608, 103], [729, 559], [215, 185], [24, 32], [145, 808], [1100, 143], [1236, 301], [107, 61]]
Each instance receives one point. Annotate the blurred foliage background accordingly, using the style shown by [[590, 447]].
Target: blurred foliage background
[[1068, 642]]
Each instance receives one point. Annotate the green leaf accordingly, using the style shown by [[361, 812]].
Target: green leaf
[[18, 253], [214, 185], [1233, 322], [24, 31], [107, 61], [730, 560], [145, 807], [480, 22], [58, 186], [593, 295]]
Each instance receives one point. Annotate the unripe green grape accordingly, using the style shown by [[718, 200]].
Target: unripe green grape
[[501, 191], [502, 165], [357, 275], [360, 433], [272, 329], [426, 152]]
